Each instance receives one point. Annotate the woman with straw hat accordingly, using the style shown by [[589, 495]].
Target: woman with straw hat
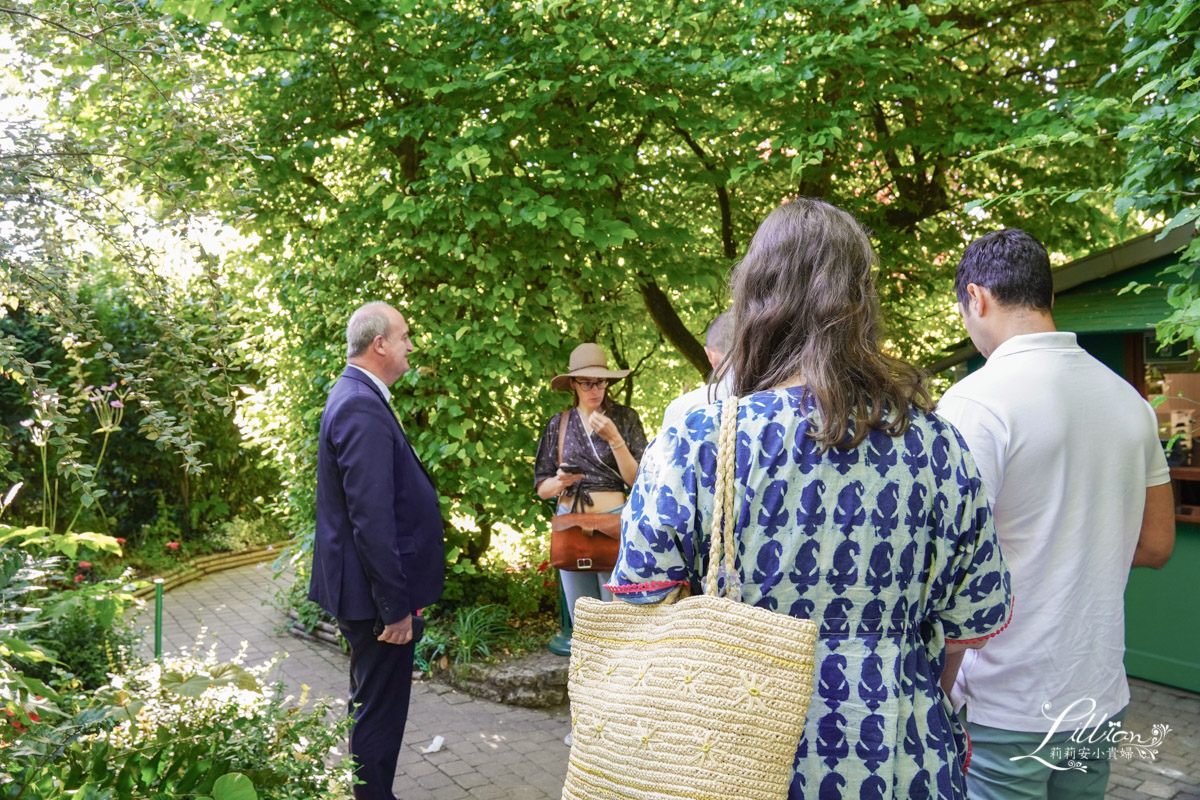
[[602, 444]]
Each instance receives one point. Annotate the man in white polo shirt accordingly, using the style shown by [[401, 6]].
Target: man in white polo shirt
[[1070, 456], [717, 341]]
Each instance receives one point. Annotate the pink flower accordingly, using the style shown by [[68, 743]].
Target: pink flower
[[116, 404], [78, 578], [85, 565], [110, 387], [173, 545]]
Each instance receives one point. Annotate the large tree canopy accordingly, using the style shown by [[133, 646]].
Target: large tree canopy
[[1158, 110], [520, 177]]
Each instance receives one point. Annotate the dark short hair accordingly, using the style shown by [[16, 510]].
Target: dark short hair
[[720, 332], [1012, 265]]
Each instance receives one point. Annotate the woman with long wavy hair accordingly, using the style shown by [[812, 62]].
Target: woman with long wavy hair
[[859, 509]]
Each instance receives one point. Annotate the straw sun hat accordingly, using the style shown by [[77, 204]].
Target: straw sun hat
[[587, 361]]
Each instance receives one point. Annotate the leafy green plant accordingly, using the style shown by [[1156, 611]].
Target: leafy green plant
[[241, 534], [85, 646], [433, 647], [190, 727], [476, 631], [35, 594]]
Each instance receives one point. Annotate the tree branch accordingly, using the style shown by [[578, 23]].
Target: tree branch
[[671, 326], [90, 38], [722, 195]]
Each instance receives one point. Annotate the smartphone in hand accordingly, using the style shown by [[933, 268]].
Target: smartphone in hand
[[571, 469]]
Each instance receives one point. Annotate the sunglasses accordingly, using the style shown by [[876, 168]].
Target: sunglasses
[[589, 385]]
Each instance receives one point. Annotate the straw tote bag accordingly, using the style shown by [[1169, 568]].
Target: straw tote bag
[[699, 699]]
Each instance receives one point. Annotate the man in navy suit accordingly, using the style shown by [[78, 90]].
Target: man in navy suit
[[378, 555]]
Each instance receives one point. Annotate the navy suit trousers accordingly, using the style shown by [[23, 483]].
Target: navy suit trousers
[[380, 687]]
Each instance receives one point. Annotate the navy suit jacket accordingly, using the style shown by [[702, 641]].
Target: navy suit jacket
[[379, 551]]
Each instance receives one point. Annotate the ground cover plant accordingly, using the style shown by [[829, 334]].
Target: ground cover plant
[[98, 723]]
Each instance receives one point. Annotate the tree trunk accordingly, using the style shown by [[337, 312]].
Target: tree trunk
[[672, 327]]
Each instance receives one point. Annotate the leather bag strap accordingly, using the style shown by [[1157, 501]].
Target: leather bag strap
[[562, 432], [562, 439]]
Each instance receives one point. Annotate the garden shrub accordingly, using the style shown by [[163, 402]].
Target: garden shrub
[[38, 593], [185, 727], [189, 726], [141, 481], [525, 589], [87, 649], [241, 534]]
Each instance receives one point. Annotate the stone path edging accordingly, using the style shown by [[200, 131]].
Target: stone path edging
[[535, 680], [207, 565]]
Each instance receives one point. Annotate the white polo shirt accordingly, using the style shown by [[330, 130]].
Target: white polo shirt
[[1066, 449], [677, 412]]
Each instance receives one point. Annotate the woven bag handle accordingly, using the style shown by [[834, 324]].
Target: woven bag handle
[[723, 521]]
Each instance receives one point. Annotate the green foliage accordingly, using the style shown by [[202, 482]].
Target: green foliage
[[191, 727], [521, 177], [241, 534], [476, 630], [135, 475], [86, 649], [480, 632], [434, 645], [107, 120], [525, 589], [188, 727], [1147, 102], [1162, 58], [1162, 53], [37, 597]]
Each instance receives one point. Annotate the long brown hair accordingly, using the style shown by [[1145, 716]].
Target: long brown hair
[[805, 306]]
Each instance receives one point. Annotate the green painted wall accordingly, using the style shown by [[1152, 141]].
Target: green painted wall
[[1162, 628], [1107, 348], [1101, 306]]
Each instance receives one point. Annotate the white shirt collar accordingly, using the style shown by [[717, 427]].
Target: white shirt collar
[[1047, 340], [387, 394]]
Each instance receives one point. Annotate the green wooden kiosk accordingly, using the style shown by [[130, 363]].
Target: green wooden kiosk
[[1162, 626]]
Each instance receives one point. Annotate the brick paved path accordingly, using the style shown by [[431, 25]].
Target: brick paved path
[[497, 752]]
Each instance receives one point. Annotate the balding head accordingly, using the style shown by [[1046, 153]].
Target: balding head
[[719, 338], [367, 322], [377, 339]]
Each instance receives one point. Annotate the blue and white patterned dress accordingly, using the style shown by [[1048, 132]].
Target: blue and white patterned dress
[[889, 546]]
